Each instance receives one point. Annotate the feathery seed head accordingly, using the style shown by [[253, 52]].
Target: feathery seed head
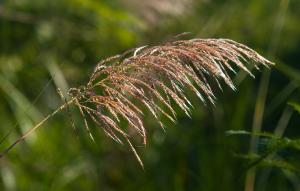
[[156, 77]]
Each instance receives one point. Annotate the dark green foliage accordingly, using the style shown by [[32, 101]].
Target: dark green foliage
[[272, 151]]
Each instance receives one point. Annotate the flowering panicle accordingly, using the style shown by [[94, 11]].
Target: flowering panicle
[[156, 78]]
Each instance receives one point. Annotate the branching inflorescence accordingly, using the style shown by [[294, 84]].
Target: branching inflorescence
[[156, 79]]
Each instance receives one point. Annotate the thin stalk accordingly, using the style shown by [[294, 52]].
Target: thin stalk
[[278, 132], [263, 90], [28, 132]]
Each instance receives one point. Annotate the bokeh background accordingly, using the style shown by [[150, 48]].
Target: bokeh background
[[50, 44]]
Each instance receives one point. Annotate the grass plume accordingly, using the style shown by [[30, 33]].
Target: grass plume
[[156, 77]]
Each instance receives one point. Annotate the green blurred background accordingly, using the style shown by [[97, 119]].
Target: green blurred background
[[50, 44]]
